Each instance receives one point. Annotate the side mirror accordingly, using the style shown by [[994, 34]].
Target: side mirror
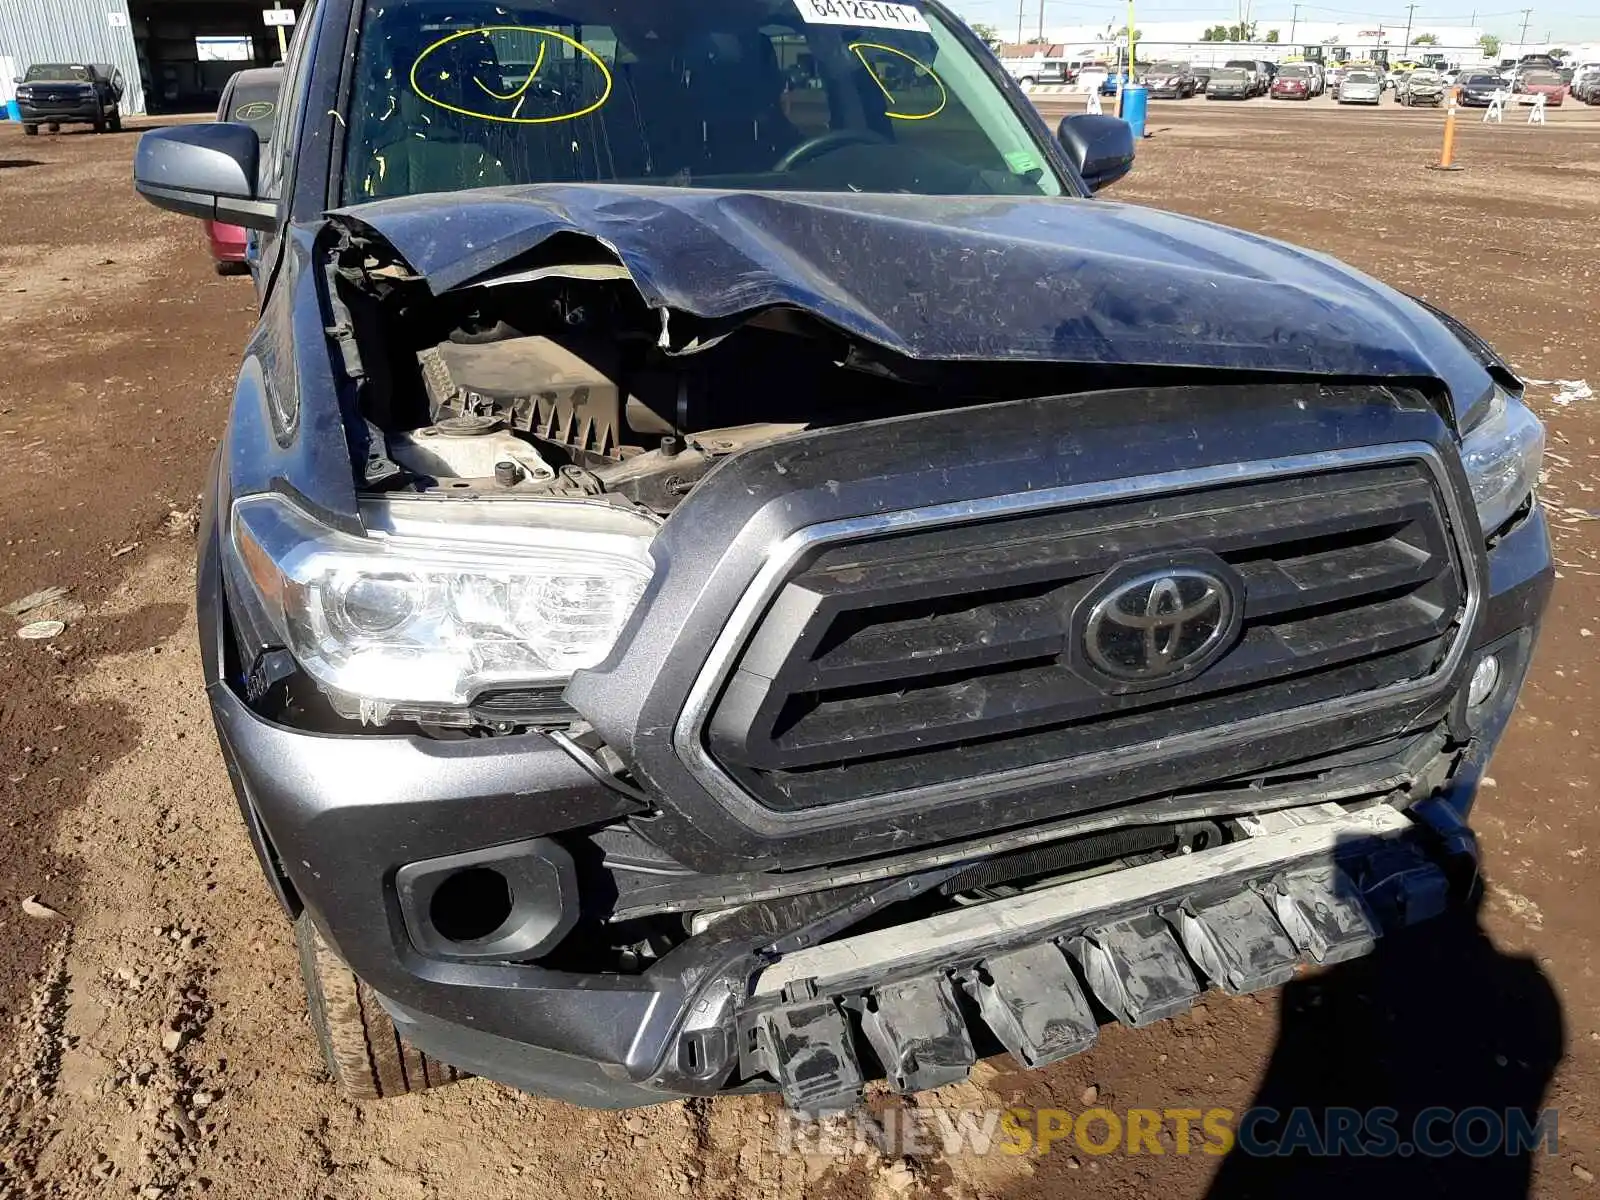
[[1101, 147], [206, 171]]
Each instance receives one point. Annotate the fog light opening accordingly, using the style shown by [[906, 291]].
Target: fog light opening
[[471, 904], [1485, 678]]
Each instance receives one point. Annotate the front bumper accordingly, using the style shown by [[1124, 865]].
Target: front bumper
[[335, 817], [75, 113]]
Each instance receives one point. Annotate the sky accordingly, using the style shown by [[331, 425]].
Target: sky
[[1563, 20]]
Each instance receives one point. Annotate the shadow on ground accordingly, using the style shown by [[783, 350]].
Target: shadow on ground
[[1437, 1019]]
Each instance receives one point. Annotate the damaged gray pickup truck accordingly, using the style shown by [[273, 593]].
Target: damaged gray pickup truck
[[729, 569]]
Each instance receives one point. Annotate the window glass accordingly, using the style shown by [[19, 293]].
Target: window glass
[[53, 72], [829, 95], [278, 160]]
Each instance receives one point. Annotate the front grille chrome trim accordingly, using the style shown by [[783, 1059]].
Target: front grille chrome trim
[[688, 737]]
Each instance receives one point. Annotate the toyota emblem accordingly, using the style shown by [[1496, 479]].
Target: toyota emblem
[[1159, 625]]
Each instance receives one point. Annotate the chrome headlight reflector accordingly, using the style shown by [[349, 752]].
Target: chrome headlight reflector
[[442, 601], [1502, 454]]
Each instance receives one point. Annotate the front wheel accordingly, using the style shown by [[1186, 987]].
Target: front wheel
[[360, 1043], [116, 120], [30, 131]]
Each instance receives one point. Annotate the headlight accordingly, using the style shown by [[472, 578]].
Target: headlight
[[1501, 454], [445, 600]]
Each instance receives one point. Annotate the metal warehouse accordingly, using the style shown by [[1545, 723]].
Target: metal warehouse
[[175, 54]]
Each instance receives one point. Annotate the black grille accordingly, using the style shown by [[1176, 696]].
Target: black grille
[[942, 654]]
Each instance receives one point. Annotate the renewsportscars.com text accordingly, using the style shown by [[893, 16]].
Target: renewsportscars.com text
[[1260, 1131]]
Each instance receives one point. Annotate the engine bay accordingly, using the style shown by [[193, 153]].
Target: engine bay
[[560, 380]]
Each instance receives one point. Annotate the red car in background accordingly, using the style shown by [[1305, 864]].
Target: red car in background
[[250, 98], [1291, 85], [1548, 84]]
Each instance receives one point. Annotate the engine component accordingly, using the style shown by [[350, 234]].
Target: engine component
[[533, 384], [469, 447]]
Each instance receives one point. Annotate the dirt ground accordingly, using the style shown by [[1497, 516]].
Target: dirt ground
[[155, 1033]]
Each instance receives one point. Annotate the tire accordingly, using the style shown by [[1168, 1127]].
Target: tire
[[30, 131], [100, 122], [360, 1044], [116, 119], [1027, 81]]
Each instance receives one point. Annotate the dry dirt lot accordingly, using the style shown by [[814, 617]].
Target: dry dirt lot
[[154, 1033]]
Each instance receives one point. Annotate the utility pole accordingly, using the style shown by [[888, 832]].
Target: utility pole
[[1041, 20], [1293, 21], [1406, 53], [283, 38], [1020, 4], [1522, 40]]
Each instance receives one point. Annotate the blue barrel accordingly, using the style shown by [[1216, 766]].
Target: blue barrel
[[13, 113], [1135, 103]]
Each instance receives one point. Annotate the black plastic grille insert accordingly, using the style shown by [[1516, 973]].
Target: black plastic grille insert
[[941, 654]]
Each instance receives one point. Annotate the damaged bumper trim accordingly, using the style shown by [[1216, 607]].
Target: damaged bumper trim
[[1309, 886]]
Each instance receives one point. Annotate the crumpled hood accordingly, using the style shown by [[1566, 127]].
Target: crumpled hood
[[1049, 280]]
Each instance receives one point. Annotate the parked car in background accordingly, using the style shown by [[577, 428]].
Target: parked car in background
[[1586, 84], [1295, 81], [1202, 79], [1230, 83], [1335, 74], [1538, 82], [1030, 72], [1422, 87], [1395, 80], [1259, 79], [1312, 70], [1361, 87], [1170, 80], [1477, 88], [57, 94], [1114, 80], [249, 98]]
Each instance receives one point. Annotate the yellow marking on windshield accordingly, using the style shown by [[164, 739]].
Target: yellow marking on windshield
[[856, 48], [526, 83], [519, 95]]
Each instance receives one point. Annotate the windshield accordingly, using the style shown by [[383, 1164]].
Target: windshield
[[1165, 68], [1228, 73], [1542, 78], [1425, 77], [53, 71], [1479, 80], [1361, 77], [1296, 71], [820, 95]]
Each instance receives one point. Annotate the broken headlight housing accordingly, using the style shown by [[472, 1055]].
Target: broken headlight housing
[[1502, 453], [443, 601]]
